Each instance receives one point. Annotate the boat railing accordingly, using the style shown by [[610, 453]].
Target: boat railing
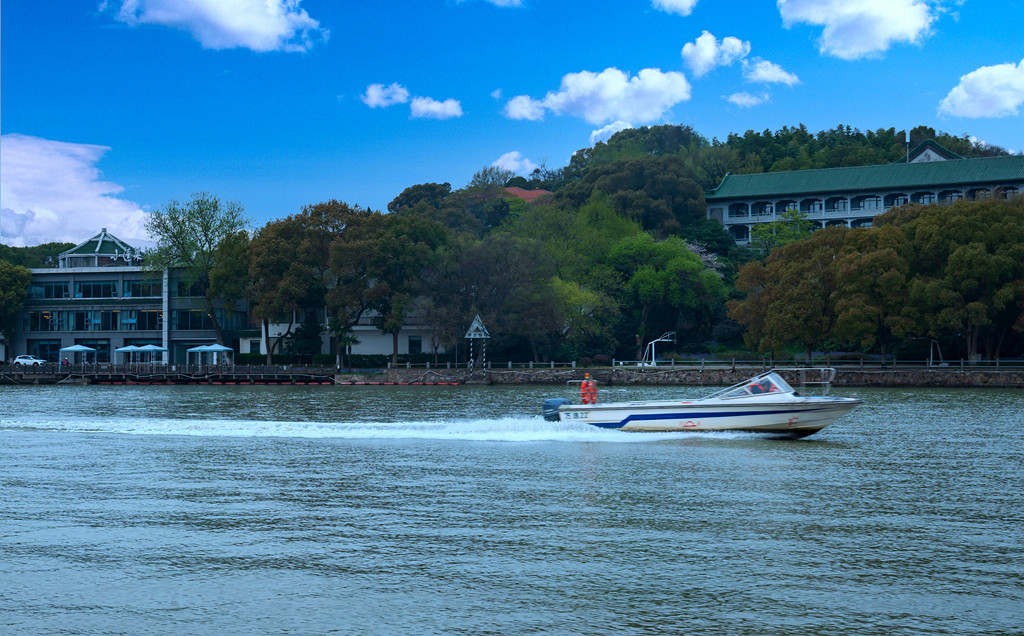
[[803, 380], [812, 379]]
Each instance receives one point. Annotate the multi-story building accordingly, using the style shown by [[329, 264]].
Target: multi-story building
[[101, 297], [854, 196]]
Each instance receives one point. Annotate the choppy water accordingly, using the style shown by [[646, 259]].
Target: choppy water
[[458, 510]]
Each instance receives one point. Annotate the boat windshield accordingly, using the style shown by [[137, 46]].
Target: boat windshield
[[762, 384]]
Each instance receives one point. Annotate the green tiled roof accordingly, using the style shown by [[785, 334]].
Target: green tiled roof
[[900, 176], [102, 243]]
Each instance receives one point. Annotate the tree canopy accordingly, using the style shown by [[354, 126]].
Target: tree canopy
[[14, 281], [189, 238]]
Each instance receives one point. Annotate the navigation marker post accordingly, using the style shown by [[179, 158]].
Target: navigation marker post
[[477, 331]]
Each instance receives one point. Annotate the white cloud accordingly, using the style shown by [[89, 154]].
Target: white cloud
[[706, 52], [433, 109], [380, 96], [680, 7], [767, 72], [746, 100], [506, 3], [52, 191], [259, 25], [607, 96], [516, 162], [604, 134], [858, 29], [990, 91], [524, 107]]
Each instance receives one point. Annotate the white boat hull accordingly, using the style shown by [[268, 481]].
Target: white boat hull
[[796, 416], [765, 403]]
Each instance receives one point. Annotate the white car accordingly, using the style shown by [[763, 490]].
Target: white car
[[28, 360]]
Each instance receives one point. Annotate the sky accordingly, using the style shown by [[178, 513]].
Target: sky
[[110, 109]]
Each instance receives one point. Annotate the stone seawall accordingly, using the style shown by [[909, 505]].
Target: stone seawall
[[712, 377]]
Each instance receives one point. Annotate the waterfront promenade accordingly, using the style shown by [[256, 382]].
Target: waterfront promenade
[[909, 374]]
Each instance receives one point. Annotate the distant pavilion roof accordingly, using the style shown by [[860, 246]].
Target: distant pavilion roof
[[102, 249], [982, 171]]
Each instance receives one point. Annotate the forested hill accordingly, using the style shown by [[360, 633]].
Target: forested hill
[[768, 151], [44, 255]]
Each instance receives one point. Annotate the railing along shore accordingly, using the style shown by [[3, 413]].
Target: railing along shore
[[243, 369], [908, 373]]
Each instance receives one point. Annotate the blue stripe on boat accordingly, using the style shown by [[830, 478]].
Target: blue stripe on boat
[[691, 416]]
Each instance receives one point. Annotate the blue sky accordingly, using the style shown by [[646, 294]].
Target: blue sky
[[111, 108]]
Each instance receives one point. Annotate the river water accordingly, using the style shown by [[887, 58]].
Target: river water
[[459, 510]]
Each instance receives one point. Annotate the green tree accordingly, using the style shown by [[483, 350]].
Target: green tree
[[430, 194], [873, 273], [490, 177], [352, 257], [189, 236], [791, 226], [658, 192], [14, 281], [295, 267], [559, 312], [306, 339], [405, 247], [791, 298], [277, 285], [666, 285], [45, 255], [968, 268], [577, 239]]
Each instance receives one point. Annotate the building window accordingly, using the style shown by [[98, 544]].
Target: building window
[[143, 289], [836, 204], [44, 321], [102, 348], [949, 196], [924, 198], [740, 233], [96, 289], [868, 203], [195, 290], [95, 320], [738, 210], [893, 200], [809, 206], [193, 320], [48, 290], [150, 320], [48, 350], [141, 320], [415, 345]]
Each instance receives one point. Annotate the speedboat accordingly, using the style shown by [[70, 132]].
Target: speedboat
[[765, 403]]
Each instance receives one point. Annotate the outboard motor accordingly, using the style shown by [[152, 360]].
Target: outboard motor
[[551, 408]]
